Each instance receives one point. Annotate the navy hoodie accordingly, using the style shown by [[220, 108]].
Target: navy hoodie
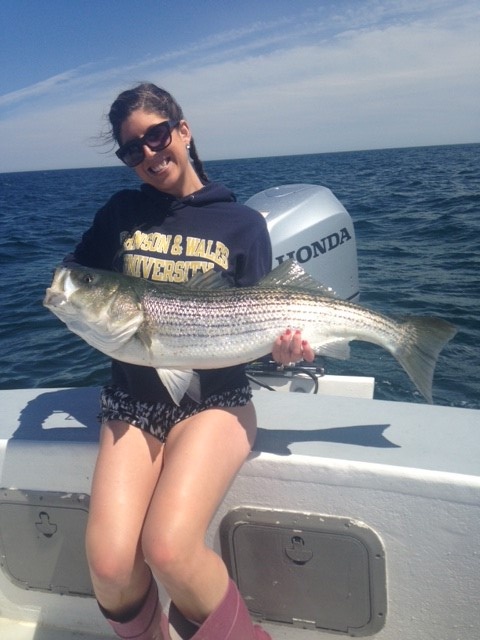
[[150, 234]]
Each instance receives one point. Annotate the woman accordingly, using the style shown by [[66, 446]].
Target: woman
[[162, 468]]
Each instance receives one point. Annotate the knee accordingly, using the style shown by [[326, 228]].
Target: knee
[[168, 554], [110, 563]]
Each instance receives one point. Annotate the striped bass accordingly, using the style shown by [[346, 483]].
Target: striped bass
[[207, 324]]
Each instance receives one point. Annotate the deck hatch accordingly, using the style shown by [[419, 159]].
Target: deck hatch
[[307, 570], [42, 540]]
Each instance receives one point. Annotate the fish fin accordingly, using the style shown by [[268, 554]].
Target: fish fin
[[290, 273], [338, 349], [194, 389], [210, 280], [418, 352], [179, 382]]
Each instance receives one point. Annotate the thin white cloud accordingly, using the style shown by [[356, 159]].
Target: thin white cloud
[[37, 89], [218, 46]]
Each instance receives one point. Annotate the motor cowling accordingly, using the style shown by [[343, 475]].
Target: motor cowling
[[309, 224]]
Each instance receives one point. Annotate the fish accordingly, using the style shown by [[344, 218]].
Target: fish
[[207, 323]]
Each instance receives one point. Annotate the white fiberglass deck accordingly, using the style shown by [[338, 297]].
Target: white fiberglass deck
[[410, 472]]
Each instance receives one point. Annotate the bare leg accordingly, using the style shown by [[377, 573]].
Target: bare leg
[[202, 456], [126, 473]]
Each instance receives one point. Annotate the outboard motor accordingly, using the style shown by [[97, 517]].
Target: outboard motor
[[308, 223]]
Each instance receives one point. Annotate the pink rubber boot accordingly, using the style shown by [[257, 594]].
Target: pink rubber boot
[[230, 621], [148, 624]]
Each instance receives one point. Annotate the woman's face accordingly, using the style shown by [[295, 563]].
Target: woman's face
[[168, 170]]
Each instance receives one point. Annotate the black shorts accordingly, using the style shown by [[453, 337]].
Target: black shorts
[[159, 418]]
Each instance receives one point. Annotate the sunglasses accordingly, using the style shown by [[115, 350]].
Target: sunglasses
[[157, 138]]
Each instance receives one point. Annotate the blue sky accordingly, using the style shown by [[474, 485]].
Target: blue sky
[[254, 78]]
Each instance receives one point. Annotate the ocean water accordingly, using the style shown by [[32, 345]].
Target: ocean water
[[416, 214]]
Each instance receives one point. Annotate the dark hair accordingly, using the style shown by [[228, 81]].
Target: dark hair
[[152, 99]]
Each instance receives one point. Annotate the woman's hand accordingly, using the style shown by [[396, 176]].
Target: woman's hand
[[289, 348]]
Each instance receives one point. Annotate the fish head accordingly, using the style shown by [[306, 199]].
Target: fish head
[[102, 307]]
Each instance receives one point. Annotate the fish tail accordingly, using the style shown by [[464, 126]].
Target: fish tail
[[421, 342]]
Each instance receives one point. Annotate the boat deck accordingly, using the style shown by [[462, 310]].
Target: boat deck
[[409, 473]]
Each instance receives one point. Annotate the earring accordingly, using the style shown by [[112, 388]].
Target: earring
[[188, 147]]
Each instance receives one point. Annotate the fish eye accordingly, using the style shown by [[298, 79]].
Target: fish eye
[[88, 278]]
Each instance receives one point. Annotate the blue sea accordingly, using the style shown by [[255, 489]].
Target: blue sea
[[416, 213]]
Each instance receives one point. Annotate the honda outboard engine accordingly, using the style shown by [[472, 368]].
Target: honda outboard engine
[[308, 223]]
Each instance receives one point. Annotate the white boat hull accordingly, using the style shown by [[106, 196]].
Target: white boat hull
[[408, 473]]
